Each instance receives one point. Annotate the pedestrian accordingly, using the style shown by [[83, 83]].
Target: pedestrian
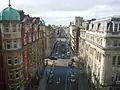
[[72, 60]]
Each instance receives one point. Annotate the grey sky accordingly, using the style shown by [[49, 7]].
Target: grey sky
[[64, 11]]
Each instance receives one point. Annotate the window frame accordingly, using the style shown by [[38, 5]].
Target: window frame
[[18, 86], [12, 87], [118, 61], [10, 73], [9, 60], [15, 42], [8, 44], [118, 77], [115, 27], [15, 59], [18, 74], [114, 60], [115, 43]]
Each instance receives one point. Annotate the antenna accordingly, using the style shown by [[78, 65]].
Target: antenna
[[9, 4], [41, 17]]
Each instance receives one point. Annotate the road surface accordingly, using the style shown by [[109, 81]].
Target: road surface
[[65, 84]]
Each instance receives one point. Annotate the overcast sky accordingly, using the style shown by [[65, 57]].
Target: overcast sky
[[64, 11]]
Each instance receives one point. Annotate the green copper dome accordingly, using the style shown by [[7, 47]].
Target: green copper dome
[[10, 14], [0, 17], [42, 22]]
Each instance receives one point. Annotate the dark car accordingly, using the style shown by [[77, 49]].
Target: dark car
[[53, 58]]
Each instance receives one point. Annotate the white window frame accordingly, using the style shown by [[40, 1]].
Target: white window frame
[[24, 39], [18, 86], [19, 61], [117, 27], [12, 87], [115, 60], [10, 74], [117, 77], [115, 42], [8, 44], [8, 60], [15, 42], [30, 39], [18, 74], [15, 58]]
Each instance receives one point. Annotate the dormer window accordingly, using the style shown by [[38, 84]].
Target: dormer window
[[92, 26], [98, 26], [115, 27]]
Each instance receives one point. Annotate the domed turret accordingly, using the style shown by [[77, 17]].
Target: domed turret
[[10, 14], [0, 17], [42, 22]]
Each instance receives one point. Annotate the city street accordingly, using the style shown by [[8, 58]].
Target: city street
[[61, 50], [63, 73]]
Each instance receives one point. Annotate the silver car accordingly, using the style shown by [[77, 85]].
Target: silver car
[[72, 78], [58, 81]]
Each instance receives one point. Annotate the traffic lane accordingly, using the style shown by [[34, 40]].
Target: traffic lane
[[71, 86], [61, 85], [81, 80], [49, 87], [60, 72], [60, 49]]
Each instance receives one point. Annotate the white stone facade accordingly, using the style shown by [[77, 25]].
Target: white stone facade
[[100, 50]]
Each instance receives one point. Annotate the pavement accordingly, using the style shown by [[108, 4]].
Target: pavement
[[42, 84], [60, 72]]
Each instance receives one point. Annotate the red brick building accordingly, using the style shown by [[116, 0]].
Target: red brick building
[[22, 48]]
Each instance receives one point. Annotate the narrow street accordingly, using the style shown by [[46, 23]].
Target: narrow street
[[65, 84], [62, 74], [62, 50]]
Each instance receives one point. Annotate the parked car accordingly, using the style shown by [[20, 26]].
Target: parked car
[[58, 81], [72, 78]]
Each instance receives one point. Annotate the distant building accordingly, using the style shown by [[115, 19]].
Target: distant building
[[78, 21], [99, 44], [50, 39], [22, 49], [74, 33]]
